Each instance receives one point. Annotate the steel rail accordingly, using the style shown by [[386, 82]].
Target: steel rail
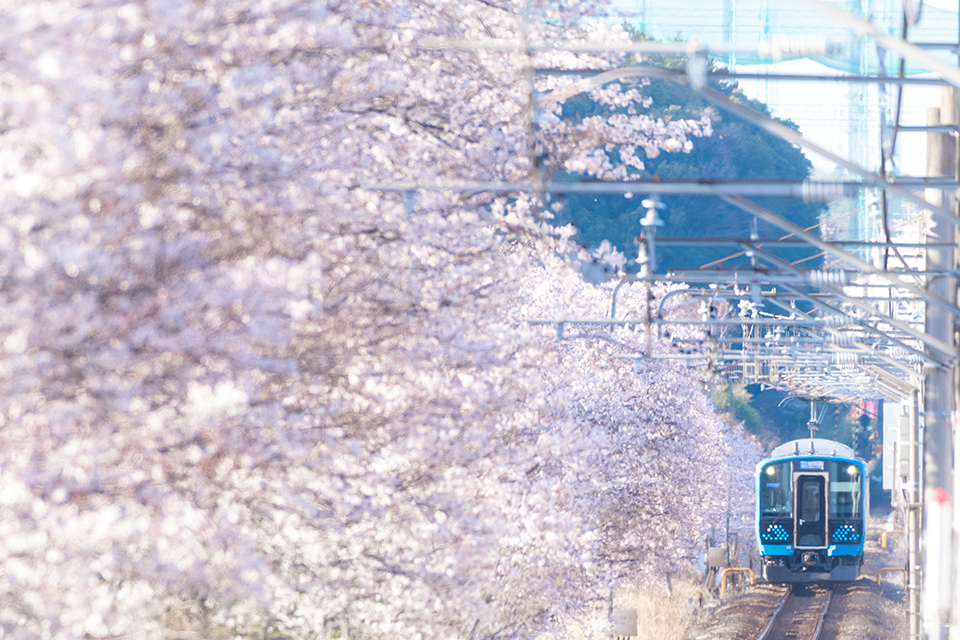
[[776, 614], [823, 615], [790, 598]]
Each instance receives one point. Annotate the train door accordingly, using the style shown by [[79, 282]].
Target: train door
[[810, 509]]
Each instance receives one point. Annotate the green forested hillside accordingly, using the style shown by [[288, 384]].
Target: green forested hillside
[[736, 149]]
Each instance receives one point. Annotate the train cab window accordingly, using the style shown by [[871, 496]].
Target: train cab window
[[776, 489], [845, 490]]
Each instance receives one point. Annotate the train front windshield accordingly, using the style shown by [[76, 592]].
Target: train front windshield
[[845, 494], [845, 490], [776, 489]]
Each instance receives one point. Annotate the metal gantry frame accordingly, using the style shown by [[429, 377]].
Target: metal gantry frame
[[873, 332]]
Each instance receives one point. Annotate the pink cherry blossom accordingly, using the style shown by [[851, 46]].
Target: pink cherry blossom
[[241, 392]]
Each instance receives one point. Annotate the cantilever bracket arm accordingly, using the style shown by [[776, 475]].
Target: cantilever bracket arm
[[931, 341], [863, 265]]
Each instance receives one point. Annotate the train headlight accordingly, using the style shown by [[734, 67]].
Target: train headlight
[[771, 470], [852, 469]]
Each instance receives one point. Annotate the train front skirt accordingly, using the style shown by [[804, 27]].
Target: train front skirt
[[837, 563]]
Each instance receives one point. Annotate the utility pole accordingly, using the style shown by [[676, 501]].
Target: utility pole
[[939, 387], [914, 521]]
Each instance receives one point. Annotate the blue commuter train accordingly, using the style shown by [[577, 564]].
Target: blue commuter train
[[812, 507]]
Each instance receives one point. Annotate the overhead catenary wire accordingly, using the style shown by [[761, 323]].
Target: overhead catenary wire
[[886, 183], [785, 237]]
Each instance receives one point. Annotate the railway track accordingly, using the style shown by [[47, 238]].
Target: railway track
[[800, 615]]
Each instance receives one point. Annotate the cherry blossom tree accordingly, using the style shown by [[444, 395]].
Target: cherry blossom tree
[[244, 394]]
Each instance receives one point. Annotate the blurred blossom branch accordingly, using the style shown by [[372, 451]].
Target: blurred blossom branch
[[237, 395]]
